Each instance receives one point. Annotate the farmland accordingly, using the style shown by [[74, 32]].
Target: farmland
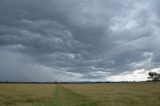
[[106, 94]]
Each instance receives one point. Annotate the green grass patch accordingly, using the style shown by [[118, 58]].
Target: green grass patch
[[66, 97]]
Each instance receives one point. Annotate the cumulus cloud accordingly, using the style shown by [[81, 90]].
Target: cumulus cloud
[[72, 40]]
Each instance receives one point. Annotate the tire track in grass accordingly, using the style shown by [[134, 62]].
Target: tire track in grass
[[66, 97]]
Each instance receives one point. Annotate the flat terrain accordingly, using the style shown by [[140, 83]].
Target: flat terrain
[[26, 94], [109, 94]]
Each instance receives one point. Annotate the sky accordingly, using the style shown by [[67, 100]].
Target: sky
[[79, 40]]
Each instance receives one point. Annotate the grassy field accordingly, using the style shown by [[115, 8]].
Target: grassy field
[[120, 94], [26, 94], [110, 94]]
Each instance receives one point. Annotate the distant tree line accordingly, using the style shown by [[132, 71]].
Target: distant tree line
[[154, 76]]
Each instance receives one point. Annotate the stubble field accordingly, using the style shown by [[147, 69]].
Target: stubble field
[[106, 94]]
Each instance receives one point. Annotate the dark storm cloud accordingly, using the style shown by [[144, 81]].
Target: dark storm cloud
[[77, 40]]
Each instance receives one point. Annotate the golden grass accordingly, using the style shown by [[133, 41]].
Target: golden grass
[[25, 94], [109, 94], [120, 94]]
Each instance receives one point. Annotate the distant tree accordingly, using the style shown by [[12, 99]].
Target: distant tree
[[154, 76]]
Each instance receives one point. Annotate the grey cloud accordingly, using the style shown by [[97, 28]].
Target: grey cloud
[[67, 37]]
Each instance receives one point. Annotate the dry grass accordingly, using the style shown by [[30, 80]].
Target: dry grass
[[25, 94], [120, 94], [109, 94]]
